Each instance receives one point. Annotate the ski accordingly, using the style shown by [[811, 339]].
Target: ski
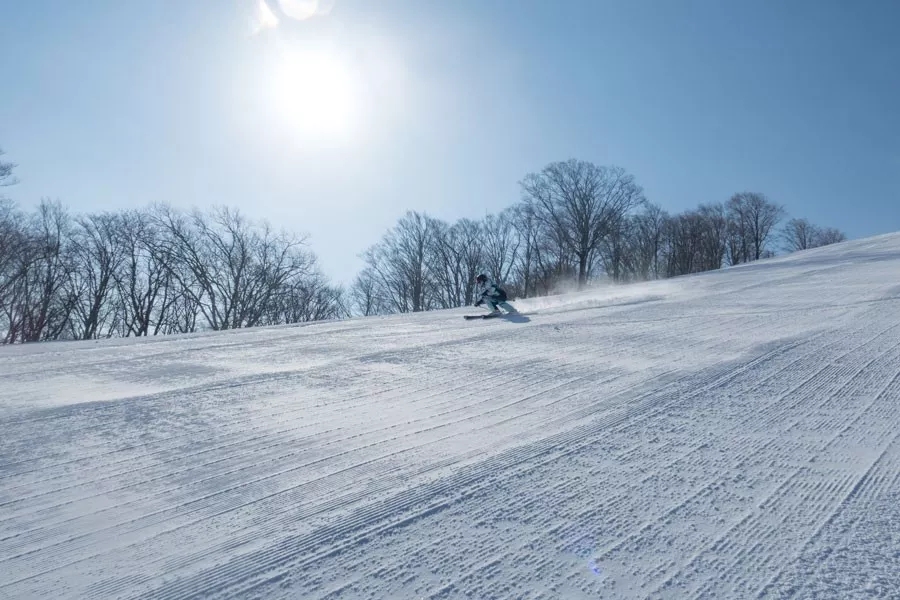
[[490, 316]]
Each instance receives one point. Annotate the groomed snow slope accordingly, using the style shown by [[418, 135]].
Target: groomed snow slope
[[728, 435]]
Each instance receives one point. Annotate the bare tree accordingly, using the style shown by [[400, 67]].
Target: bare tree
[[527, 229], [38, 307], [13, 244], [799, 234], [555, 266], [830, 235], [445, 262], [582, 204], [6, 172], [648, 234], [230, 269], [400, 264], [146, 288], [366, 294], [544, 262], [151, 272], [752, 219], [455, 255], [714, 236], [685, 243], [501, 245], [616, 252], [97, 256], [307, 298], [697, 240], [472, 239], [183, 315]]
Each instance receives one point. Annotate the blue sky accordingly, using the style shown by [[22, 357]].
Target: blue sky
[[109, 104]]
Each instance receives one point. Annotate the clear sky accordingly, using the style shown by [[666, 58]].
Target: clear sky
[[335, 123]]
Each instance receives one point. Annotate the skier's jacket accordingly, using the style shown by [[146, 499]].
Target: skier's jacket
[[489, 291]]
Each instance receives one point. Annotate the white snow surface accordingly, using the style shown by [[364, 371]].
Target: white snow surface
[[727, 435]]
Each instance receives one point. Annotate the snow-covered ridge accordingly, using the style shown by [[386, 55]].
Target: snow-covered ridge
[[731, 434]]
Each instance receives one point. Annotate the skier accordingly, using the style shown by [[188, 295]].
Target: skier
[[492, 295]]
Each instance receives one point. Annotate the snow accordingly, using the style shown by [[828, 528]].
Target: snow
[[730, 435]]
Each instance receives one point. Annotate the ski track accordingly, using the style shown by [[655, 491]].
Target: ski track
[[726, 435]]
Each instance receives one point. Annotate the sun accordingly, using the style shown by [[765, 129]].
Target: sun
[[315, 94]]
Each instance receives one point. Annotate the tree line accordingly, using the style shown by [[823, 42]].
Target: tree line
[[160, 270], [575, 224], [151, 272]]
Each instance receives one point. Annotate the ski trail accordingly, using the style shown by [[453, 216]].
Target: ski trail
[[731, 434]]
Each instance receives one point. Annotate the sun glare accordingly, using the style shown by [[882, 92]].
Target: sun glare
[[315, 94], [304, 9]]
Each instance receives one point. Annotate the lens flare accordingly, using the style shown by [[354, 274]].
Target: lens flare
[[266, 17], [263, 17]]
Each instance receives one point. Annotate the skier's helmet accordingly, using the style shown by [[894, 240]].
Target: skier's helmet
[[481, 278]]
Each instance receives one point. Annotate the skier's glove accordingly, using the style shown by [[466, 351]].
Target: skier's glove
[[479, 302]]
